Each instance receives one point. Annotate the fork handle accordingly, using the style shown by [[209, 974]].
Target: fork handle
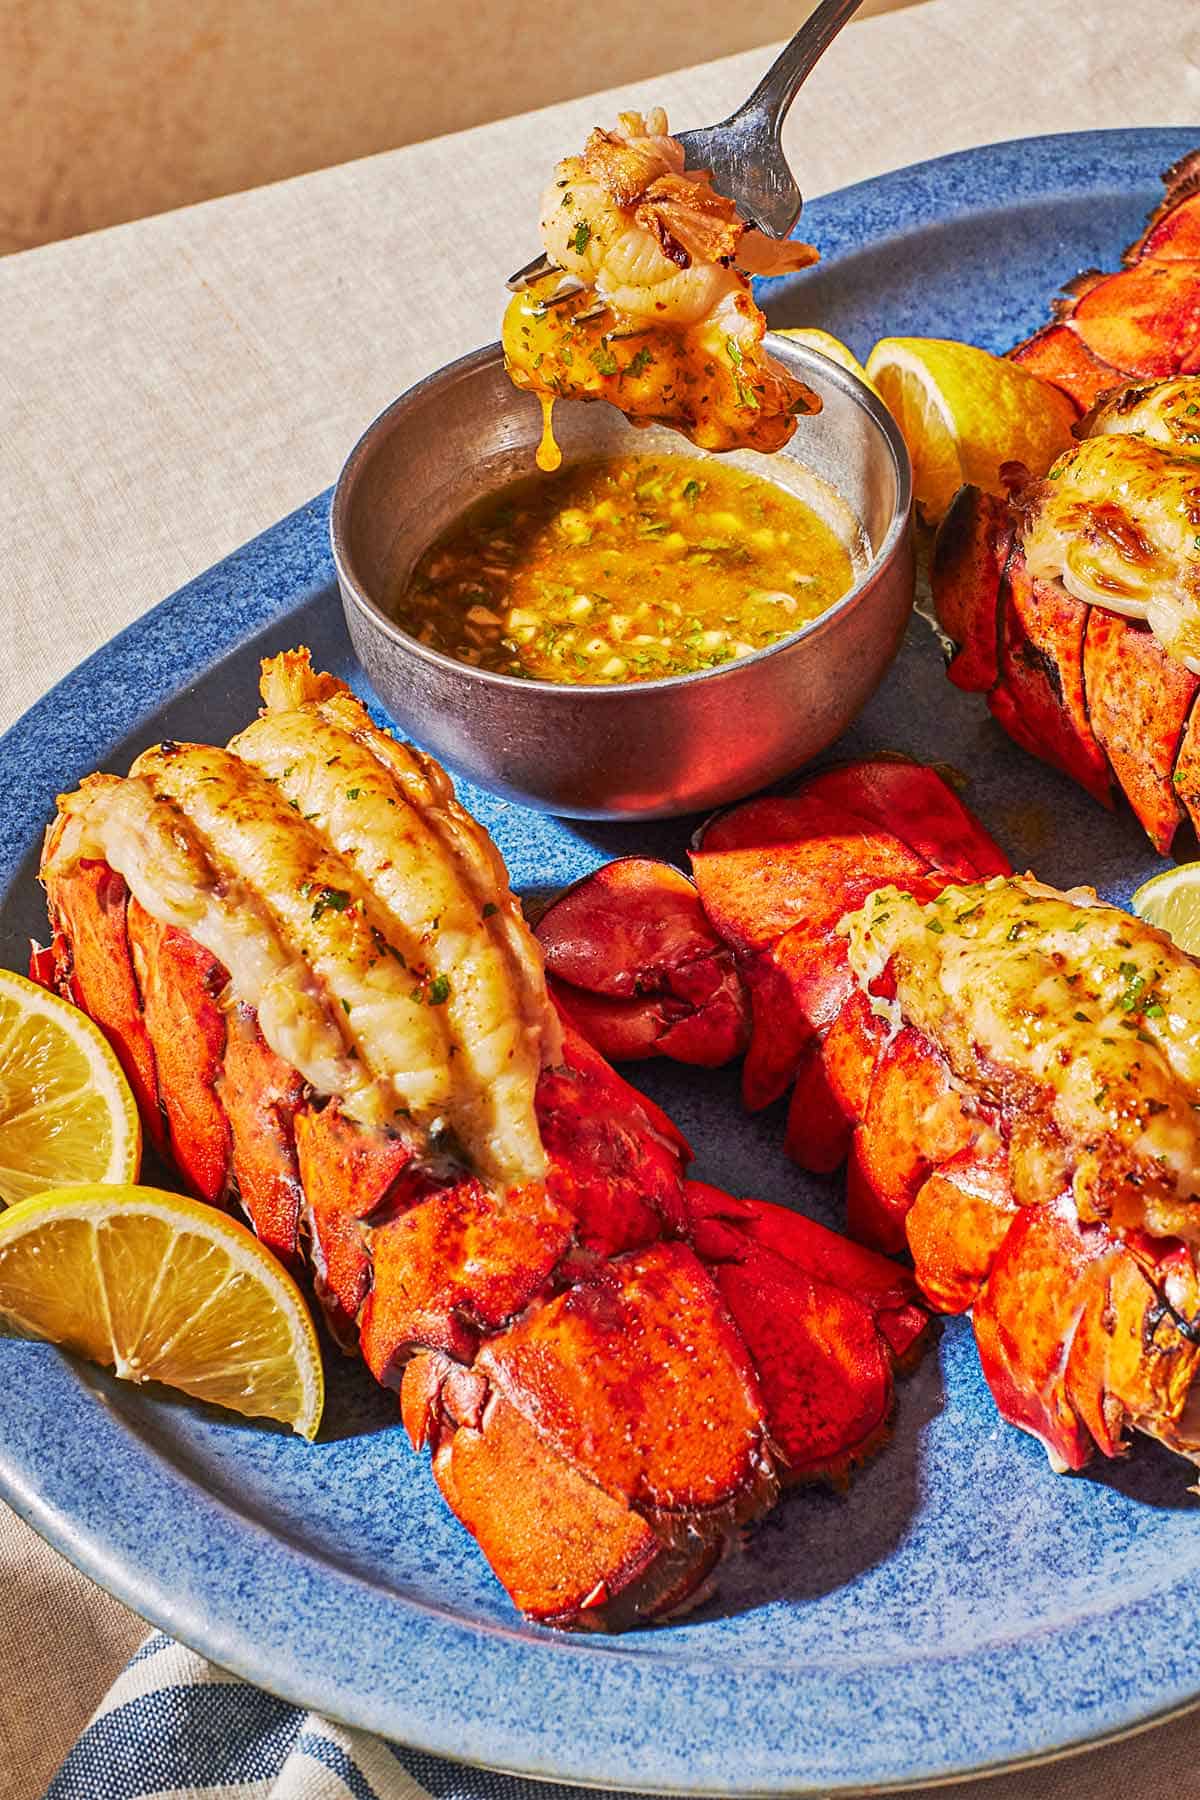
[[796, 61]]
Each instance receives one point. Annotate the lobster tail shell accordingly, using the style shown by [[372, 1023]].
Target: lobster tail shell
[[1090, 692]]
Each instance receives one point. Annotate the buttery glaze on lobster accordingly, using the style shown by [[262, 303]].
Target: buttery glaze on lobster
[[311, 964], [666, 326], [1076, 608], [1012, 1072]]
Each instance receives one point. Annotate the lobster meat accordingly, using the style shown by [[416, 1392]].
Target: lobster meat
[[1143, 320], [1012, 1074], [308, 958]]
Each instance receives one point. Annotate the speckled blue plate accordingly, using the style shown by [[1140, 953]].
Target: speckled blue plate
[[962, 1608]]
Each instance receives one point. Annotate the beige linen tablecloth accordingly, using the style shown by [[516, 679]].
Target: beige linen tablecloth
[[170, 388]]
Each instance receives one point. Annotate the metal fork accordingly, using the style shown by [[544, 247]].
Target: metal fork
[[745, 151]]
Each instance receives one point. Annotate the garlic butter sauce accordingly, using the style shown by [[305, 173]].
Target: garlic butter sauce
[[625, 568]]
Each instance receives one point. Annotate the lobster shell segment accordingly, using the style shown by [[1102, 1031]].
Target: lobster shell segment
[[89, 914], [1040, 696], [1059, 355], [776, 875], [1075, 1341], [1142, 320], [180, 985], [567, 1552], [636, 964]]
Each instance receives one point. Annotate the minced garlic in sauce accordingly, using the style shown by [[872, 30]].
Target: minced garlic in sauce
[[627, 568]]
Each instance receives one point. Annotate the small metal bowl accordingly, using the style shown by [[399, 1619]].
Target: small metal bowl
[[630, 749]]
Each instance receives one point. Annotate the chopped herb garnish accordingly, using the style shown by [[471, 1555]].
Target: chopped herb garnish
[[583, 232], [354, 793], [603, 359], [935, 925], [330, 899], [490, 908]]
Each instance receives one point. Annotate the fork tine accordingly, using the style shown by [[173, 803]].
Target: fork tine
[[533, 271]]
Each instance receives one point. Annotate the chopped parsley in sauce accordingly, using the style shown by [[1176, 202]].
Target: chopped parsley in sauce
[[627, 568]]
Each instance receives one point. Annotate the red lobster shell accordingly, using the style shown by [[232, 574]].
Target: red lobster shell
[[1141, 321]]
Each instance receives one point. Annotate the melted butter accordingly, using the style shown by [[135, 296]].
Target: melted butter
[[1079, 1021], [549, 456]]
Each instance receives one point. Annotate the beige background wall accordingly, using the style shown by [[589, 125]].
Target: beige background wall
[[110, 109]]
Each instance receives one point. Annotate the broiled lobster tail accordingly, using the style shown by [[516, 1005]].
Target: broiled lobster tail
[[614, 1368], [1091, 692], [1059, 1224], [1075, 608]]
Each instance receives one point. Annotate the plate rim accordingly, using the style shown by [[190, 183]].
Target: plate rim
[[124, 683]]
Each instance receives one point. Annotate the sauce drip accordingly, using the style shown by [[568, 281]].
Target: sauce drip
[[549, 456]]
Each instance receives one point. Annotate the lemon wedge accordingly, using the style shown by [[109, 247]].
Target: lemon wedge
[[963, 412], [66, 1112], [162, 1288], [824, 341], [1172, 902]]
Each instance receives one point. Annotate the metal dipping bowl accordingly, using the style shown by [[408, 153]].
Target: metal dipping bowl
[[630, 749]]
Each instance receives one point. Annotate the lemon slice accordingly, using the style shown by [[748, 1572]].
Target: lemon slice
[[66, 1112], [824, 341], [1172, 902], [162, 1288], [963, 412]]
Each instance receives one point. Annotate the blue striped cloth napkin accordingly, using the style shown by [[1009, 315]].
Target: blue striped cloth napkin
[[174, 1727]]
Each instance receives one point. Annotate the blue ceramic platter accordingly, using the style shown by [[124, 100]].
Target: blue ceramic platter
[[961, 1608]]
